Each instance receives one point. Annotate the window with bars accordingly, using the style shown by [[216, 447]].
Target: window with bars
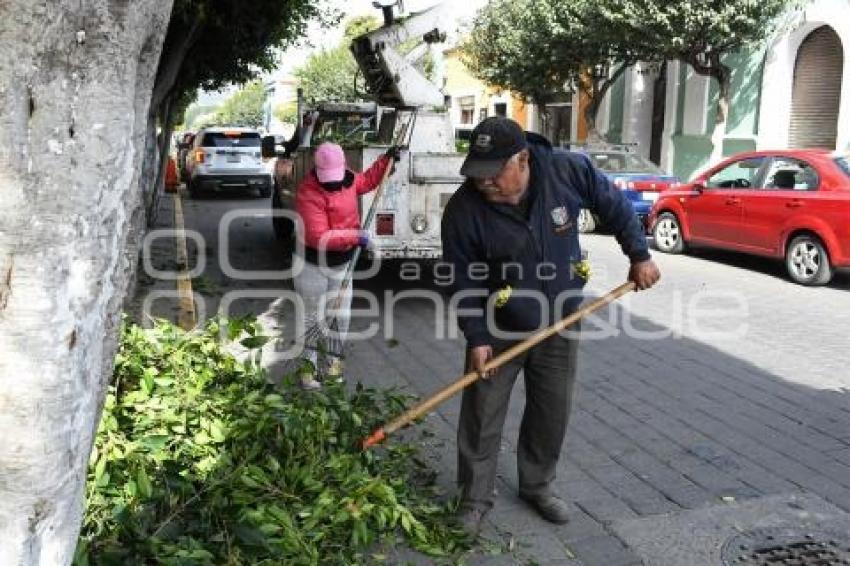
[[467, 109]]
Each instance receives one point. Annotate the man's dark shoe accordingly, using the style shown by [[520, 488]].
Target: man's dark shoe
[[551, 508], [469, 518]]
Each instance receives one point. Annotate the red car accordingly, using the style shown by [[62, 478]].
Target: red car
[[790, 204]]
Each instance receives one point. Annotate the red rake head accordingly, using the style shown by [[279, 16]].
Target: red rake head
[[375, 438]]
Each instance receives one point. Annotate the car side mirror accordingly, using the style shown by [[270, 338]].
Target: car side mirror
[[267, 147], [699, 187]]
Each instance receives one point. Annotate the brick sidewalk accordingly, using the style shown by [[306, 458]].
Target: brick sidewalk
[[659, 426], [687, 422]]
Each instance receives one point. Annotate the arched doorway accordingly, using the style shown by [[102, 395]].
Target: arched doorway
[[817, 90]]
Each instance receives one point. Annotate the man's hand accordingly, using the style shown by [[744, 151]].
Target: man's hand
[[478, 356], [645, 274]]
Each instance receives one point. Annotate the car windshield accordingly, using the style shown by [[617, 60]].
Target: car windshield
[[844, 164], [622, 162], [231, 139]]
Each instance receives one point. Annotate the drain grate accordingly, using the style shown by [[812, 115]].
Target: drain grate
[[787, 547]]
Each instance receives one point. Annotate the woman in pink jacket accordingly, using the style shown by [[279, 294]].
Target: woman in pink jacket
[[327, 202]]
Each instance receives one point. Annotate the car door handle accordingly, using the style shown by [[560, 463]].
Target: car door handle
[[733, 201], [794, 204]]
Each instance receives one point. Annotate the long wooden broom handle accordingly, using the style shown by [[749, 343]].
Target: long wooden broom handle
[[346, 280], [352, 263], [509, 354]]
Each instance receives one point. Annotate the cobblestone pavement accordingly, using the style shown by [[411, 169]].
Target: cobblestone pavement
[[731, 383]]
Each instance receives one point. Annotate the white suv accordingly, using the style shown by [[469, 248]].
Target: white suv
[[223, 159]]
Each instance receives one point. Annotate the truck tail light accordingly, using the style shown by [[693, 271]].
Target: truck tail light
[[385, 225], [199, 156]]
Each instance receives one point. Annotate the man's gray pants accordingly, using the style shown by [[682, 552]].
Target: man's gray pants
[[550, 370]]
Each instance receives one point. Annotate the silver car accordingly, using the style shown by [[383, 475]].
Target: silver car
[[226, 159]]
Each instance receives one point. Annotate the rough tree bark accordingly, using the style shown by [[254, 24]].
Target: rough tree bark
[[76, 77]]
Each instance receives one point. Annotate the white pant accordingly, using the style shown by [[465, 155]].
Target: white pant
[[319, 288]]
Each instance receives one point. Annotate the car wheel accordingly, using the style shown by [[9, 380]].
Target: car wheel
[[807, 261], [586, 221], [668, 234], [284, 228]]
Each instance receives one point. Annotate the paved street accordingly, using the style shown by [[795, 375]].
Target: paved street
[[730, 385]]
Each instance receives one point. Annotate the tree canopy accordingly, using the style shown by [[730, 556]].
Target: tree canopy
[[232, 41], [286, 112], [538, 48], [331, 74], [509, 47], [213, 43], [700, 34], [244, 107], [196, 112]]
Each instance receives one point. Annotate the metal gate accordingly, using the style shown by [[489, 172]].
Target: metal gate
[[817, 90]]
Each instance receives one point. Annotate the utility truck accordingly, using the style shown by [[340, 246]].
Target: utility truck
[[406, 109]]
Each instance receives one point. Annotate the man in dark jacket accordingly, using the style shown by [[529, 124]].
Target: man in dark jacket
[[510, 234]]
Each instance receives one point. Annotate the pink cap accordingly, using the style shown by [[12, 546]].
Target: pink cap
[[330, 163]]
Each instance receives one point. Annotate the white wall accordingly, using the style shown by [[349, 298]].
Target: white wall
[[778, 80], [637, 114], [696, 103], [670, 113]]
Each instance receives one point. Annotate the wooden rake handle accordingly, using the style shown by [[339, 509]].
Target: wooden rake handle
[[426, 406], [352, 263]]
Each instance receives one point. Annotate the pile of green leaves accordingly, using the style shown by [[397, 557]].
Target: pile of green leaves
[[198, 460]]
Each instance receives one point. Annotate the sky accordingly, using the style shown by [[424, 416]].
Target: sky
[[319, 37]]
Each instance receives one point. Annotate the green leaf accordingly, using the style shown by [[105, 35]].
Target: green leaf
[[217, 431], [155, 442], [99, 469], [228, 470], [255, 341], [144, 484]]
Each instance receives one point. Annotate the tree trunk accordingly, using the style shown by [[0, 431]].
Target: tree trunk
[[74, 100], [166, 121], [598, 89], [711, 65], [719, 132]]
